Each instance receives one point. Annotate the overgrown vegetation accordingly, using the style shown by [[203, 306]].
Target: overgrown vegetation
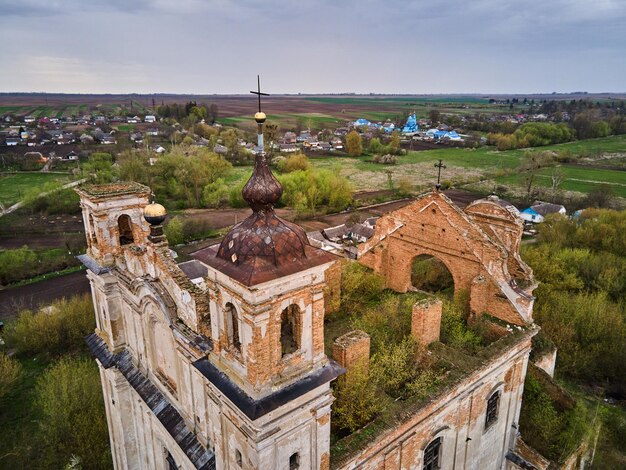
[[69, 399], [24, 263], [551, 421], [399, 368], [55, 330], [580, 301], [580, 307], [52, 411]]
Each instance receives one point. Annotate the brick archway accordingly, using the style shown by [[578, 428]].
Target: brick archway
[[430, 274], [477, 260], [404, 249]]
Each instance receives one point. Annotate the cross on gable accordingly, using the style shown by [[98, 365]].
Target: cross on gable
[[258, 92], [440, 166]]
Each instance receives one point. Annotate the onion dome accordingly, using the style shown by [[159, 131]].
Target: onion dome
[[154, 213], [263, 238]]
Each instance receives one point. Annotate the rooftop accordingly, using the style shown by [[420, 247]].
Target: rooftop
[[122, 188]]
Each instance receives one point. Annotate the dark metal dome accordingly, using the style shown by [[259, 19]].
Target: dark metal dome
[[263, 238]]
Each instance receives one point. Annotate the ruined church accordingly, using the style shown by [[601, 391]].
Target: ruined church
[[219, 362]]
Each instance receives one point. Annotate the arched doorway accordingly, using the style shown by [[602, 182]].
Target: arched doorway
[[430, 274]]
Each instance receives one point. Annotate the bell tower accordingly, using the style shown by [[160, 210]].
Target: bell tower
[[266, 291], [113, 217]]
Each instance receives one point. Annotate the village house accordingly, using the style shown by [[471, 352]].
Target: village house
[[289, 138], [538, 211]]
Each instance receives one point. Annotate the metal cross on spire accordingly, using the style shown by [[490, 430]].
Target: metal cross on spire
[[439, 167], [258, 92]]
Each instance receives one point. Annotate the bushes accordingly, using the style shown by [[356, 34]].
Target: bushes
[[183, 230], [23, 263], [15, 264], [295, 162], [10, 371], [532, 134], [64, 201], [73, 420], [174, 231], [215, 194], [356, 400], [454, 329], [430, 274], [394, 365], [360, 284], [59, 329], [549, 422], [311, 189], [589, 331]]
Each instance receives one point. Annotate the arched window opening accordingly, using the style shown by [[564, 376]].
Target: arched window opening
[[232, 327], [492, 409], [431, 275], [432, 455], [290, 329], [171, 463], [294, 461], [92, 229], [238, 459], [125, 229]]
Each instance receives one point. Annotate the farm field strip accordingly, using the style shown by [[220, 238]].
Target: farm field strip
[[15, 186]]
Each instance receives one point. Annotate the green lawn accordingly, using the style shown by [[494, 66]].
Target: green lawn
[[15, 186]]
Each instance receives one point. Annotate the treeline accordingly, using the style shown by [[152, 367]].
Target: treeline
[[194, 177], [533, 134], [181, 111], [580, 300]]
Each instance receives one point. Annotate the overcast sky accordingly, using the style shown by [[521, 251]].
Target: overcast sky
[[362, 46]]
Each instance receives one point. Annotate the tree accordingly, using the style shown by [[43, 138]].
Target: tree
[[174, 231], [270, 134], [99, 168], [602, 197], [60, 330], [557, 176], [530, 168], [375, 146], [434, 116], [133, 166], [354, 144], [394, 143], [73, 420]]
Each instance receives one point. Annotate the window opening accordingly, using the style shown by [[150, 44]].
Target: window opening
[[289, 329], [171, 463], [125, 228], [492, 409], [233, 327], [432, 455], [238, 459], [294, 461]]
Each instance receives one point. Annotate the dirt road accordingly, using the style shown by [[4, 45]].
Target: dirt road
[[41, 293]]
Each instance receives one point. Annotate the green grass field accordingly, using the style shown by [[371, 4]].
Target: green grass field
[[15, 186], [470, 164], [578, 179]]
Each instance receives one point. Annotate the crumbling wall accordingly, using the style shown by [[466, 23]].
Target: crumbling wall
[[434, 226]]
